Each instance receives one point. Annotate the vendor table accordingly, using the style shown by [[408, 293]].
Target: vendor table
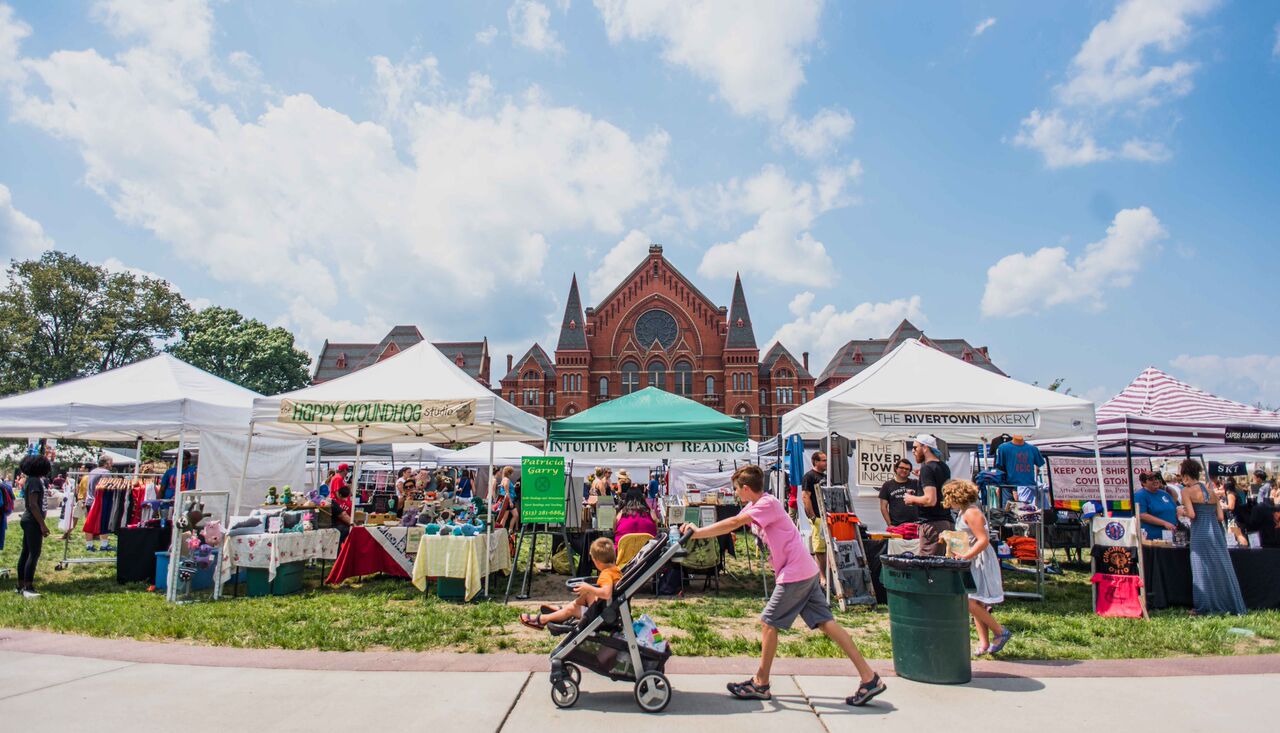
[[461, 557], [273, 550], [1168, 576], [373, 550], [136, 553]]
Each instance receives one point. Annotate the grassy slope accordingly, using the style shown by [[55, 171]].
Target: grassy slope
[[390, 614]]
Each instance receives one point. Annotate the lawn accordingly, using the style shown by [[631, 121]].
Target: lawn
[[382, 614]]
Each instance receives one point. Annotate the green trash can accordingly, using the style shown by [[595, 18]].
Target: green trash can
[[929, 617]]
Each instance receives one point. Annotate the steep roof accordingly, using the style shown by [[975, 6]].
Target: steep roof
[[331, 353], [741, 334], [656, 249], [573, 335], [355, 356], [473, 353], [544, 363], [777, 351], [855, 356], [397, 339]]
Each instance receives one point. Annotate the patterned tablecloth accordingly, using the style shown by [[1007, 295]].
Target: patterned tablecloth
[[272, 550], [461, 557]]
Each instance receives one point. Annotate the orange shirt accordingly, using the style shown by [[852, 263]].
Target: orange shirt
[[609, 576]]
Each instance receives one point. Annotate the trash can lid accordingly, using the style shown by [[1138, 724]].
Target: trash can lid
[[910, 561]]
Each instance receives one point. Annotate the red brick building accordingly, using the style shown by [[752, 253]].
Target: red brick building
[[855, 356], [656, 328], [339, 358]]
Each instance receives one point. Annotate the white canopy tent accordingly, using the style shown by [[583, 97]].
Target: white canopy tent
[[500, 453], [918, 389], [157, 399], [417, 396]]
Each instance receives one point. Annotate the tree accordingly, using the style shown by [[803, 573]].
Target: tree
[[62, 317], [242, 350]]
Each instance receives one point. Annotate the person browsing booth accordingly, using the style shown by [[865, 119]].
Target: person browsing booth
[[935, 518], [797, 592]]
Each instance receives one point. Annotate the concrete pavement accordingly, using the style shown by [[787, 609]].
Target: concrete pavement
[[59, 690]]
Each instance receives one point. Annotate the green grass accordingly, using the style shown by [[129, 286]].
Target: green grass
[[384, 614]]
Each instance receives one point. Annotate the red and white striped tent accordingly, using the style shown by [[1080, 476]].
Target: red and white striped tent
[[1157, 413]]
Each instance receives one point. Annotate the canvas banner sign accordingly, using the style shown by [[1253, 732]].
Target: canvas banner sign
[[374, 412]]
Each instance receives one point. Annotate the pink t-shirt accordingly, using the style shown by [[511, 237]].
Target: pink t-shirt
[[787, 551]]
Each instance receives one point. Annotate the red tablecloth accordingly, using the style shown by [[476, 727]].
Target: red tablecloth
[[368, 552]]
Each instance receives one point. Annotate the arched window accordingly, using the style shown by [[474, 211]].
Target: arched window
[[565, 381], [551, 398], [684, 378], [511, 397], [604, 386], [711, 385], [737, 382], [577, 383], [658, 375], [531, 375], [804, 396], [630, 377], [748, 375]]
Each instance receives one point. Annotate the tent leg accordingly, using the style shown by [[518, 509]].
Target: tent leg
[[1097, 462], [515, 568], [171, 591], [317, 484], [244, 468], [488, 512], [355, 475]]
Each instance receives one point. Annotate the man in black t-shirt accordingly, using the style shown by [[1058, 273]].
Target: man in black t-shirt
[[894, 510], [934, 517], [809, 485]]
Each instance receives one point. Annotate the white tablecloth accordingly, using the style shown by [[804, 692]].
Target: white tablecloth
[[461, 557], [272, 550]]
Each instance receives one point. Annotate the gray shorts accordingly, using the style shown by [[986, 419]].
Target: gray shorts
[[804, 598]]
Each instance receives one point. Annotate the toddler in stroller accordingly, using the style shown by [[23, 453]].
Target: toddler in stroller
[[604, 556], [604, 639]]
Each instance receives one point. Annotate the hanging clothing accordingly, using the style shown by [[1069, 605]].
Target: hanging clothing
[[1214, 587], [1119, 596]]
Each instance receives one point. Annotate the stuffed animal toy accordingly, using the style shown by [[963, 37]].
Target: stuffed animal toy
[[203, 556], [273, 496], [468, 530], [432, 528], [213, 532], [446, 529], [193, 542], [288, 495]]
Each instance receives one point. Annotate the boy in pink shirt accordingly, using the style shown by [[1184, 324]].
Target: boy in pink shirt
[[797, 593]]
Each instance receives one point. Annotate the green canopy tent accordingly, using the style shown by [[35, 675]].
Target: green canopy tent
[[652, 425]]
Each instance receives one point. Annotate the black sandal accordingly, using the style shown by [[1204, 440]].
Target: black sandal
[[866, 692], [749, 690]]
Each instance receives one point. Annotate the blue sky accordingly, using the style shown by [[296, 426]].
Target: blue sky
[[1088, 188]]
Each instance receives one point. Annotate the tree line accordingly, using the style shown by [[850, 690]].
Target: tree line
[[62, 317]]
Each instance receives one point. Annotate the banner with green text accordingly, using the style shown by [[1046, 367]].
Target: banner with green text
[[374, 412], [542, 497]]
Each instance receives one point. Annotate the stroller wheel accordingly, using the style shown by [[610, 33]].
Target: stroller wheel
[[653, 692], [572, 672], [564, 693]]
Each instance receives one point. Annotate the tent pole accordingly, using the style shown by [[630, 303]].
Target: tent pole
[[1097, 460], [171, 590], [244, 467], [355, 475], [488, 513], [317, 484]]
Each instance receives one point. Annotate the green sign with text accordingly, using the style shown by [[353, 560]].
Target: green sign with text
[[542, 490]]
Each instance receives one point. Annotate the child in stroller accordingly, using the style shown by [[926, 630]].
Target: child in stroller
[[605, 557]]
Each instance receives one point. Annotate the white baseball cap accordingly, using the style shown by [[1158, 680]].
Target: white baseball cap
[[928, 441]]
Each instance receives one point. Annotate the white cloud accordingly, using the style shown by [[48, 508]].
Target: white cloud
[[753, 55], [480, 181], [826, 329], [1249, 379], [1112, 79], [20, 235], [311, 326], [486, 36], [983, 26], [1062, 143], [617, 264], [530, 24], [819, 136], [1111, 67], [1020, 283], [779, 246], [183, 28], [12, 32]]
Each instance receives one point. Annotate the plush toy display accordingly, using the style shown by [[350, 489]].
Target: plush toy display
[[288, 495], [273, 496], [213, 532]]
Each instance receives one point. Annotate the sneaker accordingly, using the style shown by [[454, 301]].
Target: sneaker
[[90, 548], [106, 548], [1000, 642], [30, 594], [866, 692]]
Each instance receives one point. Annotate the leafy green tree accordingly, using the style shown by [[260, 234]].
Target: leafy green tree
[[62, 317], [242, 350]]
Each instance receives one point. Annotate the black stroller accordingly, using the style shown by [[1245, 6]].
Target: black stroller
[[604, 640]]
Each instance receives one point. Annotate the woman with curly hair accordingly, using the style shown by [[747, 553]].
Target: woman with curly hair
[[962, 497], [37, 469]]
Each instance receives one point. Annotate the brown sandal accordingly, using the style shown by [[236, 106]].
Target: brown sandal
[[533, 622]]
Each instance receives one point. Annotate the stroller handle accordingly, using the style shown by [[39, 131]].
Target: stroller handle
[[684, 538]]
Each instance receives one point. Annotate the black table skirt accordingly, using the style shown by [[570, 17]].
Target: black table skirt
[[136, 553], [1168, 576]]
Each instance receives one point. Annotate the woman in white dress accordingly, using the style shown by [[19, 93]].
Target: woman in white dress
[[962, 496]]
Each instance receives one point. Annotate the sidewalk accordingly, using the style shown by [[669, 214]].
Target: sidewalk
[[45, 685]]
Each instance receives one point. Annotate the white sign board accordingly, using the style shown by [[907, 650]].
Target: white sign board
[[1076, 479], [1004, 421], [874, 461]]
